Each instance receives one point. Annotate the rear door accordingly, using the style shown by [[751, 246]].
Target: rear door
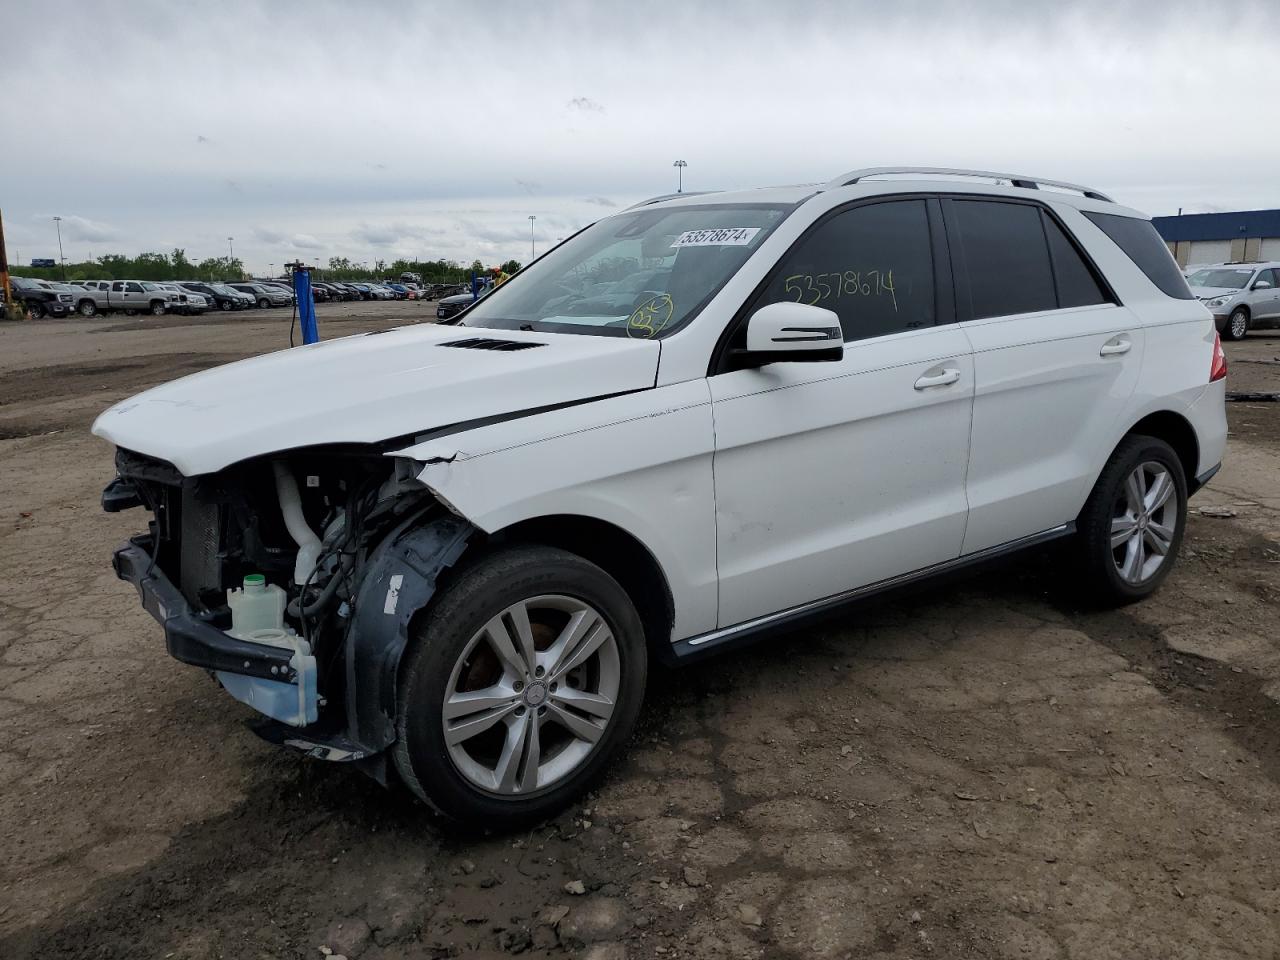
[[834, 475], [1056, 358]]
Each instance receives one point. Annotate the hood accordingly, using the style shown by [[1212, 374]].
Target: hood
[[366, 389], [1208, 293]]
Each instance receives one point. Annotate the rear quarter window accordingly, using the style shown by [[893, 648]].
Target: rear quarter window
[[1141, 244]]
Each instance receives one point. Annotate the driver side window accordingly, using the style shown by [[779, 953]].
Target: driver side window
[[872, 265]]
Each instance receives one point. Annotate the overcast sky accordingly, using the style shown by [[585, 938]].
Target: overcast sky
[[376, 130]]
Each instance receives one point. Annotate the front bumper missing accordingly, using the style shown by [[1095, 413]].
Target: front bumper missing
[[277, 681], [191, 637]]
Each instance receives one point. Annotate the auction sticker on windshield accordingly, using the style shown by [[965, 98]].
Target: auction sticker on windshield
[[719, 237]]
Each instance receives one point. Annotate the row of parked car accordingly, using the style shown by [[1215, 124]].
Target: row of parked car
[[89, 298]]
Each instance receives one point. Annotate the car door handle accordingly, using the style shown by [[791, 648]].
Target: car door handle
[[940, 379], [1116, 345]]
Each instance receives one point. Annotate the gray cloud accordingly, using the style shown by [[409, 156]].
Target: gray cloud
[[83, 229], [1094, 91]]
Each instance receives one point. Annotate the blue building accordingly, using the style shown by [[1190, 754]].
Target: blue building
[[1196, 238]]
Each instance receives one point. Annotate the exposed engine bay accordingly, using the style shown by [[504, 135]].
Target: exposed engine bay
[[329, 532]]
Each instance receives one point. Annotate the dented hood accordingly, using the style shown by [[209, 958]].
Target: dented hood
[[369, 388]]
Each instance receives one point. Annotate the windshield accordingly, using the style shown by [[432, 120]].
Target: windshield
[[1233, 277], [152, 286], [223, 289], [643, 274]]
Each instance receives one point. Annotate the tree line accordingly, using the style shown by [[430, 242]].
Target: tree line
[[176, 266]]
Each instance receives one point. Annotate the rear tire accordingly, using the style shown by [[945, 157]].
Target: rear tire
[[558, 707], [263, 303], [1237, 325], [1131, 527]]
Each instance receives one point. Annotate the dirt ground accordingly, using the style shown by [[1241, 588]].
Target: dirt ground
[[984, 770]]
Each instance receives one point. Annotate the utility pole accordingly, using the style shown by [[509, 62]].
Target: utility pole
[[4, 269], [679, 165], [62, 261], [532, 255]]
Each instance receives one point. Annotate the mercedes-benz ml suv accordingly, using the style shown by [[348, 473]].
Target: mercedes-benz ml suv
[[448, 553]]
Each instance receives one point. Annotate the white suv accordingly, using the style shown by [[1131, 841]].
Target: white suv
[[695, 422]]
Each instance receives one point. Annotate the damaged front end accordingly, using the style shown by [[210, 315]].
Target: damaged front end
[[346, 541]]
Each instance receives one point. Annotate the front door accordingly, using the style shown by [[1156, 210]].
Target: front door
[[830, 476], [1266, 300]]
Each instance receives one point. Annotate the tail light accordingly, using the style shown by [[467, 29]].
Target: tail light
[[1218, 368]]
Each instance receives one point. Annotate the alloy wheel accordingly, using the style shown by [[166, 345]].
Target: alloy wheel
[[1239, 325], [531, 695], [1144, 522]]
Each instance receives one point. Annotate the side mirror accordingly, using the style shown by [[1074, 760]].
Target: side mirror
[[786, 331], [1262, 285]]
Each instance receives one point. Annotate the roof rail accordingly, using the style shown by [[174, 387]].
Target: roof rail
[[1027, 183], [671, 196]]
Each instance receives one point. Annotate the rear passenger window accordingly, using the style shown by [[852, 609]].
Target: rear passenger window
[[1140, 242], [1077, 285], [872, 265], [1006, 257]]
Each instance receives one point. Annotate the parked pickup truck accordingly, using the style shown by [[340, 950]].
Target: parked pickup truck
[[40, 298], [131, 296]]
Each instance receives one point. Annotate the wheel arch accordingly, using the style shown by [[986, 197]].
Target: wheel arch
[[616, 551], [1175, 430]]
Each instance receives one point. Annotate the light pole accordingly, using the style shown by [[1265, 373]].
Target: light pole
[[532, 255], [272, 268], [62, 261], [679, 165], [230, 249]]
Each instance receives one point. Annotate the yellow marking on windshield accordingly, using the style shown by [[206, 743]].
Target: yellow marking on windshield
[[650, 317]]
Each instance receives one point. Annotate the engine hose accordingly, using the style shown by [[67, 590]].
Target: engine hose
[[320, 602]]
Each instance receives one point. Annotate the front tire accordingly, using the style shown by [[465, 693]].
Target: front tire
[[1237, 325], [225, 305], [87, 308], [520, 685], [1132, 524], [263, 303], [157, 309]]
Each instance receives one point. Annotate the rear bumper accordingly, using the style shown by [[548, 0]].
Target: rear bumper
[[189, 637]]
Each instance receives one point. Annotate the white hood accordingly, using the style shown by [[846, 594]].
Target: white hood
[[366, 389]]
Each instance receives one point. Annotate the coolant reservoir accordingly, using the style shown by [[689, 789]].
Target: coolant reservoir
[[258, 606]]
